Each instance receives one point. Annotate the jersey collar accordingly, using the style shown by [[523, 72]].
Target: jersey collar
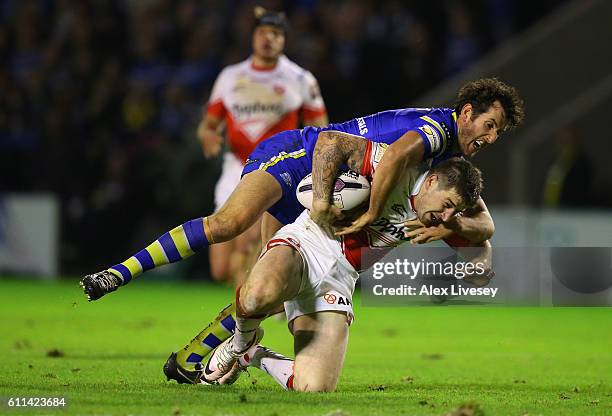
[[264, 68], [416, 188]]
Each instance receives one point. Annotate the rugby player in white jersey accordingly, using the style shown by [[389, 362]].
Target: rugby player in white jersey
[[313, 272], [253, 100]]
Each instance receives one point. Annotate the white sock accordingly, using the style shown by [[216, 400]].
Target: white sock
[[245, 331], [276, 365]]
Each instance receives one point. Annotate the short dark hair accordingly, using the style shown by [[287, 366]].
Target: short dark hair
[[270, 17], [484, 92], [462, 176]]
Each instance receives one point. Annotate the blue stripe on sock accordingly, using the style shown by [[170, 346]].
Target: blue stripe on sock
[[211, 341], [194, 358], [145, 259], [229, 323], [194, 230], [169, 248], [125, 272]]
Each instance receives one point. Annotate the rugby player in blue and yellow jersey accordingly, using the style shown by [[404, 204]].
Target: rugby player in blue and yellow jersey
[[395, 140]]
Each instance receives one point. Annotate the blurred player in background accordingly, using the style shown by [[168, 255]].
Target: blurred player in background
[[254, 99]]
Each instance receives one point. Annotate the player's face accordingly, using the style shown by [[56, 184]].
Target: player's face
[[268, 42], [435, 205], [479, 131]]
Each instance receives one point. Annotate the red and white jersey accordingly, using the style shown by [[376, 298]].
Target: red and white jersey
[[387, 231], [258, 103]]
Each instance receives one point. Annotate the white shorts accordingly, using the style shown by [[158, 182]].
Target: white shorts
[[328, 280], [229, 179]]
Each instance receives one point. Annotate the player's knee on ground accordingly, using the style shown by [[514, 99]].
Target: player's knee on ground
[[317, 369], [320, 345], [311, 385]]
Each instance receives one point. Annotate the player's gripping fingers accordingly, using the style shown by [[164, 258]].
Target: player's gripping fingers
[[414, 224], [423, 235], [428, 234], [356, 225]]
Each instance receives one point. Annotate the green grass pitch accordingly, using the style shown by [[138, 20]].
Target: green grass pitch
[[400, 361]]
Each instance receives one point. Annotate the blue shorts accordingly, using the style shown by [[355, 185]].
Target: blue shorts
[[284, 157]]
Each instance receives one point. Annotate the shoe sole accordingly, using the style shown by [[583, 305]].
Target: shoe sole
[[87, 293]]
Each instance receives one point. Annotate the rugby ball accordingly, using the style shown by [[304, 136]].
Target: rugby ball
[[351, 190]]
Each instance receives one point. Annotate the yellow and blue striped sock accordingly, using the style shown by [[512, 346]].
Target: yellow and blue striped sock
[[220, 329], [177, 244]]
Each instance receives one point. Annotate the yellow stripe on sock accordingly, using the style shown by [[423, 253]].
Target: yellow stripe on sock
[[180, 241], [157, 253], [220, 331], [196, 346], [133, 266]]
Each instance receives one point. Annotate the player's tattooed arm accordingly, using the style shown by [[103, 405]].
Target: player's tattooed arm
[[333, 148], [406, 151]]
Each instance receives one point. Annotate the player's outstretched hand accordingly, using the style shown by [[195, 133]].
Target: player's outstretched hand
[[356, 226], [325, 215], [420, 234]]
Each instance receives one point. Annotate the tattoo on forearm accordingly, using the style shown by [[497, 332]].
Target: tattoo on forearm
[[333, 149]]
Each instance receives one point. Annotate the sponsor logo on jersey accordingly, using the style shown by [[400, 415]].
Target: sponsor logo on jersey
[[279, 89], [400, 210], [363, 129], [248, 110], [432, 136], [384, 225]]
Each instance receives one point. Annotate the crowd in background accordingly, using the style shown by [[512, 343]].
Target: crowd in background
[[99, 99]]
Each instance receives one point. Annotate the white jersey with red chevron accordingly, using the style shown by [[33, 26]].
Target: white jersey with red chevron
[[258, 103], [387, 231]]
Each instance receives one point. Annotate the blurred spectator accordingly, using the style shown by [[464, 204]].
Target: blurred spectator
[[463, 44]]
